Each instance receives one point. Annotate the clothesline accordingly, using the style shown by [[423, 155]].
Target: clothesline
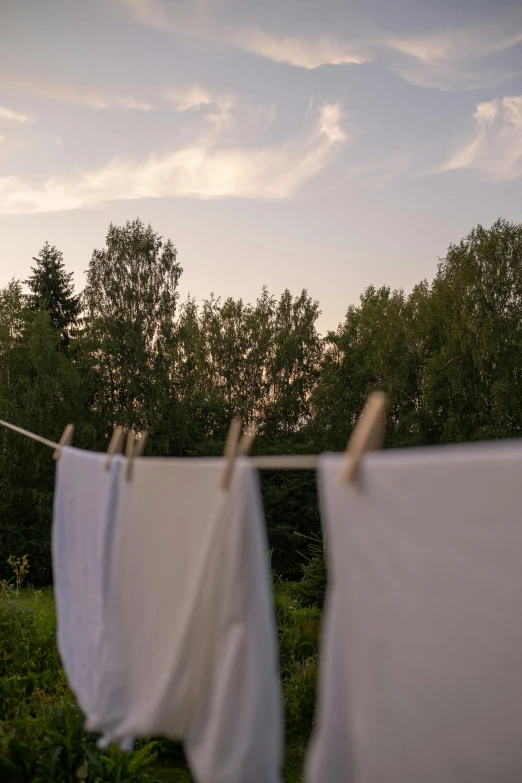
[[367, 434], [32, 435], [275, 462]]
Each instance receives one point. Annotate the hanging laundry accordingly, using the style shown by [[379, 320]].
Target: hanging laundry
[[190, 649], [421, 651], [84, 506]]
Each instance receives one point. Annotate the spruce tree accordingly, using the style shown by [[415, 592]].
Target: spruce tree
[[52, 290]]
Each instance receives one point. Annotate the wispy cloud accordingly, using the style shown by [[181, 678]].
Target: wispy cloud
[[201, 170], [495, 150], [449, 77], [451, 59], [179, 98], [11, 116], [465, 43], [184, 99], [445, 60], [301, 52], [92, 98], [132, 103]]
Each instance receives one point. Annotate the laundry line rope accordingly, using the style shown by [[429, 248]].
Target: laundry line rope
[[45, 441], [276, 462], [366, 435]]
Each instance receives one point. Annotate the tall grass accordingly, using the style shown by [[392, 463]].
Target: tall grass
[[41, 728]]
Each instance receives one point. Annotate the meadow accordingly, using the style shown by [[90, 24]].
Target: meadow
[[41, 728]]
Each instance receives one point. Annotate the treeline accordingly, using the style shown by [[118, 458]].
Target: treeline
[[127, 352]]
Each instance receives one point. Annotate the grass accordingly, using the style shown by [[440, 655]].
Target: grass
[[41, 729]]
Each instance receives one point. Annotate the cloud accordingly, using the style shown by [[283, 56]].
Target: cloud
[[11, 116], [132, 103], [91, 98], [180, 98], [495, 150], [449, 60], [301, 52], [444, 60], [189, 98], [201, 170], [449, 78], [465, 43]]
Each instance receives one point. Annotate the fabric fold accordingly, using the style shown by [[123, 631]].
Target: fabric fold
[[85, 503], [189, 646]]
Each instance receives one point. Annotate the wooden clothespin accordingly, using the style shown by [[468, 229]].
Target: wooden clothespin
[[245, 444], [115, 445], [140, 443], [368, 434], [65, 440], [134, 447], [235, 447]]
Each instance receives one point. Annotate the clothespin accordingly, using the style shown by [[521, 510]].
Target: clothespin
[[140, 443], [247, 439], [134, 447], [367, 434], [115, 445], [235, 447], [65, 440]]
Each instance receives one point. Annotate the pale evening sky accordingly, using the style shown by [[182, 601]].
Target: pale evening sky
[[319, 144]]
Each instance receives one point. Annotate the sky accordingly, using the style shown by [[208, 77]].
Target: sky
[[318, 144]]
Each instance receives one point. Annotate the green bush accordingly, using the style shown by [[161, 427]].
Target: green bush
[[30, 669], [56, 748], [41, 730], [312, 586], [299, 628]]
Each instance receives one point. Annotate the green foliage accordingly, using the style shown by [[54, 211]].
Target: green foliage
[[299, 629], [41, 389], [29, 665], [52, 290], [57, 749], [130, 303], [449, 355], [311, 588], [41, 730], [291, 512]]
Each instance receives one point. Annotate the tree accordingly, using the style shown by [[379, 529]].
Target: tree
[[41, 390], [294, 366], [377, 347], [473, 378], [52, 289], [130, 302]]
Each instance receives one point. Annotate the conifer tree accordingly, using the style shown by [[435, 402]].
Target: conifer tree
[[52, 290]]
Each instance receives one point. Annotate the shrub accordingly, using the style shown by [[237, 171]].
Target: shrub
[[311, 588], [56, 749], [41, 730], [299, 629]]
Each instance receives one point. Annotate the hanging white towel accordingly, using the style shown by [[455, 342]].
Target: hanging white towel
[[421, 670], [190, 649], [84, 506]]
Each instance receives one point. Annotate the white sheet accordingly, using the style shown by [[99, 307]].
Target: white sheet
[[421, 672]]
